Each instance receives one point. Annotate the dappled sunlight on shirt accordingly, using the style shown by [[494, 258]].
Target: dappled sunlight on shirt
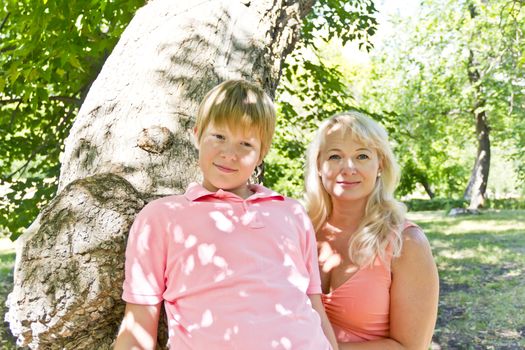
[[230, 271]]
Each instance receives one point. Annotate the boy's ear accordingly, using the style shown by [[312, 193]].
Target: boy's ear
[[195, 138]]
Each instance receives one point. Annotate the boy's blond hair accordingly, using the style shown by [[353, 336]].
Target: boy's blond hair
[[239, 105]]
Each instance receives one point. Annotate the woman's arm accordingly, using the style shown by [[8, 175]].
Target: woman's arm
[[139, 327], [317, 305], [413, 297]]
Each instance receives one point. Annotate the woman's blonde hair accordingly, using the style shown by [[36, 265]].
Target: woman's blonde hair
[[239, 105], [384, 215]]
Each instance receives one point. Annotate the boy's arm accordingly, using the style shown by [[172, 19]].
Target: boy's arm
[[139, 327], [317, 305]]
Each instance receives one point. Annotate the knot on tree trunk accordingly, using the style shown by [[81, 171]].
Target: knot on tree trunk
[[155, 139], [70, 267]]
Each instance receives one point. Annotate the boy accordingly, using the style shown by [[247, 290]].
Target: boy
[[235, 264]]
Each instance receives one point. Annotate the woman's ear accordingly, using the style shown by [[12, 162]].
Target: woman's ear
[[379, 171]]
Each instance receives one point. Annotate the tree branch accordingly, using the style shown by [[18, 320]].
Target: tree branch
[[23, 166], [10, 100], [35, 151], [67, 99], [4, 20], [8, 48], [71, 100], [13, 115]]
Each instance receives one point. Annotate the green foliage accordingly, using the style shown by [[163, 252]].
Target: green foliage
[[505, 203], [423, 76], [7, 262], [312, 89], [435, 204], [347, 20], [449, 203], [51, 53]]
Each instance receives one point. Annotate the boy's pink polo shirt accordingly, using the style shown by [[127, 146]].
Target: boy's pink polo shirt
[[233, 273]]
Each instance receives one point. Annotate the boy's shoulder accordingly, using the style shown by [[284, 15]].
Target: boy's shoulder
[[290, 202], [169, 202], [295, 203]]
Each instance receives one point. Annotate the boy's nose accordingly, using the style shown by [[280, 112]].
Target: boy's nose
[[229, 151]]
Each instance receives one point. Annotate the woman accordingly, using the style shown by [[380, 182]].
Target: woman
[[379, 279]]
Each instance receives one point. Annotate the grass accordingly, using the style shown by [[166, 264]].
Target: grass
[[481, 262], [7, 261]]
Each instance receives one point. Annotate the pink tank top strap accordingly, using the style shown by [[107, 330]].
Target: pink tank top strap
[[408, 224], [389, 249]]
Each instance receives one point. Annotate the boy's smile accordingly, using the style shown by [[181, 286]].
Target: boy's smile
[[227, 159], [224, 169]]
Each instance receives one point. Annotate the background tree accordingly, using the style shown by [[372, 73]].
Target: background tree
[[452, 82], [130, 142]]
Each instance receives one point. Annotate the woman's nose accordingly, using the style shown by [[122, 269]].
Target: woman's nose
[[349, 166]]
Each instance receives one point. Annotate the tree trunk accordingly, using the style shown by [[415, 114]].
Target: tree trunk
[[131, 141], [477, 185], [427, 187]]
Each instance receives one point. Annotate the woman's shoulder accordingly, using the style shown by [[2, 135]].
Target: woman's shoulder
[[411, 232], [415, 246]]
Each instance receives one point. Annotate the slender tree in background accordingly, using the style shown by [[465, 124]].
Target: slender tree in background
[[130, 142], [477, 185], [449, 83]]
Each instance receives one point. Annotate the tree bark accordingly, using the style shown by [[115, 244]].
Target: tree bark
[[137, 118], [131, 141], [428, 189], [477, 185]]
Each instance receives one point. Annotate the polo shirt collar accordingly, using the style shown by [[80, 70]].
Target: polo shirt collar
[[196, 191]]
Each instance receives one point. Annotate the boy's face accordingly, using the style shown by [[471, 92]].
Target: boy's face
[[228, 158]]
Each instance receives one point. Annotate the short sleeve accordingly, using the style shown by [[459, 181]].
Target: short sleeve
[[310, 252], [145, 265]]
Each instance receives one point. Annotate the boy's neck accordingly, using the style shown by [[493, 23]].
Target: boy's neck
[[243, 191]]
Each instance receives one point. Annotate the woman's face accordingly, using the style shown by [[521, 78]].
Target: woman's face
[[348, 168]]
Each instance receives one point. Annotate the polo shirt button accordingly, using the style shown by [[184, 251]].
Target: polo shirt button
[[256, 224]]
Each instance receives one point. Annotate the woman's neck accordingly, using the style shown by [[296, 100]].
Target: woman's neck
[[347, 216]]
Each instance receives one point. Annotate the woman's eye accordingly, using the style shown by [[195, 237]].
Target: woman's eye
[[363, 156], [334, 157]]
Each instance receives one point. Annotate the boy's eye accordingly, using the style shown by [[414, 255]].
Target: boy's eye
[[246, 144], [334, 157], [219, 136], [363, 156]]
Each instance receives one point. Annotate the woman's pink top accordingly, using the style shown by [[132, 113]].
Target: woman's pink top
[[359, 309]]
